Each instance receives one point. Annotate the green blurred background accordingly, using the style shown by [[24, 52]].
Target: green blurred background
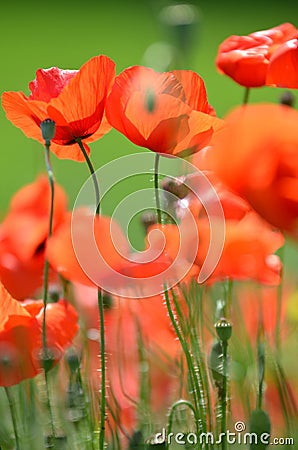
[[66, 34]]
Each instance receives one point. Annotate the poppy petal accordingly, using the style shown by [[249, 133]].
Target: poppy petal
[[9, 307], [85, 93], [194, 88], [49, 83], [25, 114]]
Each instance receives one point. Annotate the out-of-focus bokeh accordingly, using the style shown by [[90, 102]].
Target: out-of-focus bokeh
[[66, 34]]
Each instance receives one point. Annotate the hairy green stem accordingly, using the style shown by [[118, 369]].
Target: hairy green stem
[[224, 394], [192, 373], [45, 352], [174, 406], [13, 415], [46, 264], [101, 312]]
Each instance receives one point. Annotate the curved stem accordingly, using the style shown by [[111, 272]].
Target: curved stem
[[157, 199], [13, 416], [45, 354], [46, 264], [192, 374], [171, 416], [93, 174], [101, 313]]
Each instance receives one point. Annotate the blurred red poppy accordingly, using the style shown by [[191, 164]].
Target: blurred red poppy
[[153, 109], [21, 336], [256, 156], [23, 235], [75, 100], [250, 242], [78, 251], [247, 59]]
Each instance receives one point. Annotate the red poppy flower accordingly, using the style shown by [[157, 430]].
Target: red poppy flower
[[247, 59], [256, 156], [153, 109], [23, 235], [283, 67], [21, 336], [75, 100]]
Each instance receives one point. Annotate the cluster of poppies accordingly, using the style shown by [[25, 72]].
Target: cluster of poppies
[[250, 159]]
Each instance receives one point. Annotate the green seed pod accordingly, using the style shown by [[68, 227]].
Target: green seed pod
[[48, 129], [223, 329]]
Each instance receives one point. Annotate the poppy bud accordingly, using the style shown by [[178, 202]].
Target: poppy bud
[[223, 329], [260, 427], [72, 359], [48, 129], [288, 99], [148, 218], [175, 187], [47, 358]]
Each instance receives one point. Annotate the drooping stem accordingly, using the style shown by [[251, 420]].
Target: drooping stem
[[246, 96], [13, 415], [101, 312], [157, 199], [173, 408]]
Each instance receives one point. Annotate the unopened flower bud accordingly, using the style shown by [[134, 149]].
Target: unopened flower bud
[[72, 359], [223, 329], [48, 129], [259, 425], [287, 98], [175, 186], [148, 218]]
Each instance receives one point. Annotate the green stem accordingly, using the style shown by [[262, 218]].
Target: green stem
[[192, 373], [171, 417], [93, 174], [46, 264], [228, 298], [101, 313], [157, 199], [45, 353], [13, 415], [197, 363], [246, 96], [224, 394], [261, 364], [279, 304]]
